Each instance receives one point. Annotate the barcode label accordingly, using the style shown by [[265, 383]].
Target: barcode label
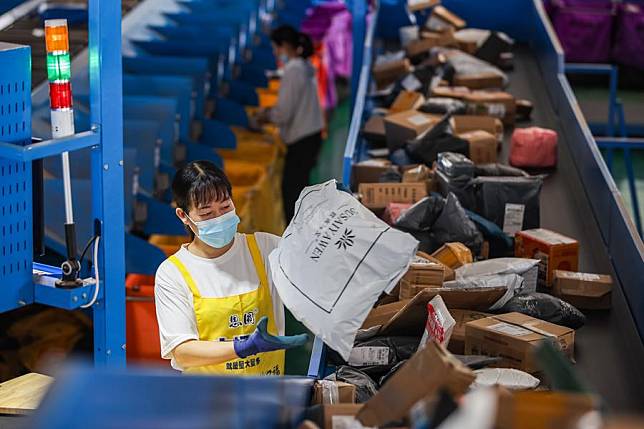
[[513, 219], [418, 120], [506, 328], [367, 356]]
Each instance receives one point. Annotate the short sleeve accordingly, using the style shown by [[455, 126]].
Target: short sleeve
[[175, 310]]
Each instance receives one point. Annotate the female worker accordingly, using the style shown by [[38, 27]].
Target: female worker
[[297, 112], [217, 308]]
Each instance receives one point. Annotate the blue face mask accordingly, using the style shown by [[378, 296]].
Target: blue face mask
[[218, 232], [283, 58]]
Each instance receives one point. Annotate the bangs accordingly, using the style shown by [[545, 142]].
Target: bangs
[[207, 189]]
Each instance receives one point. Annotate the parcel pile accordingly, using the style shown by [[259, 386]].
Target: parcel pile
[[480, 330]]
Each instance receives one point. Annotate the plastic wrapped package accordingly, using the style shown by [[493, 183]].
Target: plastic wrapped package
[[453, 225], [378, 355], [422, 215], [509, 378], [391, 372], [455, 164], [533, 147], [461, 186], [365, 386], [333, 262], [498, 170], [400, 157], [443, 105], [510, 202], [546, 307], [512, 283], [440, 138], [526, 268], [468, 65]]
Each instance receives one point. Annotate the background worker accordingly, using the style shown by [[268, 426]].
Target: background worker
[[297, 113], [217, 308]]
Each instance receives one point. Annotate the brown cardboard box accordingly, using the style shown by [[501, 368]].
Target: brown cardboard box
[[330, 416], [407, 100], [490, 98], [457, 341], [428, 41], [418, 173], [418, 5], [481, 80], [322, 394], [374, 130], [370, 171], [449, 18], [556, 252], [437, 369], [378, 195], [424, 271], [467, 298], [514, 337], [583, 290], [466, 123], [403, 126], [383, 313], [410, 319], [483, 146], [542, 409], [386, 73], [453, 255]]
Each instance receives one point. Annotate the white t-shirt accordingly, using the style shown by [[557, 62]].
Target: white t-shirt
[[230, 274]]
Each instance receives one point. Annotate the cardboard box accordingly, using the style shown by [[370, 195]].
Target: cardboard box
[[487, 103], [583, 290], [481, 80], [327, 392], [429, 40], [418, 5], [378, 195], [465, 123], [333, 416], [407, 100], [513, 337], [437, 369], [383, 314], [466, 298], [483, 146], [374, 130], [370, 171], [386, 73], [454, 255], [410, 319], [556, 252], [424, 271], [418, 173], [543, 410], [457, 341], [442, 19], [404, 126]]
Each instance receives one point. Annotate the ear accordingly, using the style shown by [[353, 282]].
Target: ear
[[182, 216]]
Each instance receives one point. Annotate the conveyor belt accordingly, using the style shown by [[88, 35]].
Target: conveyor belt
[[609, 351]]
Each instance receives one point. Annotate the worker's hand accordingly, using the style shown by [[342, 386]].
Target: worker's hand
[[261, 341]]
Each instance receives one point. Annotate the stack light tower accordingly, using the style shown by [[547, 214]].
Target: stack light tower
[[59, 73]]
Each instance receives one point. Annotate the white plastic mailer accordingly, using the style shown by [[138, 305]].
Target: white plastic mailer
[[335, 259]]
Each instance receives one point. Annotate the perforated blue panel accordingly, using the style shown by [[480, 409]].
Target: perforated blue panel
[[16, 231]]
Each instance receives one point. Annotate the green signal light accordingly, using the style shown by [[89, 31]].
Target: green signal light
[[59, 67]]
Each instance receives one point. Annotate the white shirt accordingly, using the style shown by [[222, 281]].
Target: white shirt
[[232, 273]]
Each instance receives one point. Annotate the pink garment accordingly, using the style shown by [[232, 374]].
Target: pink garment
[[533, 147], [394, 211]]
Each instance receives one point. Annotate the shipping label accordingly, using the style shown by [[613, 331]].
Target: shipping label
[[368, 356], [513, 219], [418, 120], [513, 330]]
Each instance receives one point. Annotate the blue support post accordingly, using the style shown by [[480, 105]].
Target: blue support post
[[359, 25], [105, 74]]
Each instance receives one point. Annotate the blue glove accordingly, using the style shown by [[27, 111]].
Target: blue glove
[[261, 341]]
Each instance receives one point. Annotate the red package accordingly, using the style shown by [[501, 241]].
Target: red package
[[393, 212], [533, 147]]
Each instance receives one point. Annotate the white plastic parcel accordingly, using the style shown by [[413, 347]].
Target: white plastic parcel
[[335, 259]]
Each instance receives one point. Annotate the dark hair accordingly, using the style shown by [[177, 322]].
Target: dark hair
[[199, 183], [285, 34]]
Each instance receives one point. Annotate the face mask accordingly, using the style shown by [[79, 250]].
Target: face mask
[[283, 58], [218, 232]]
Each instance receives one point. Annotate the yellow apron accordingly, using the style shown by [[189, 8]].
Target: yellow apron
[[227, 318]]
